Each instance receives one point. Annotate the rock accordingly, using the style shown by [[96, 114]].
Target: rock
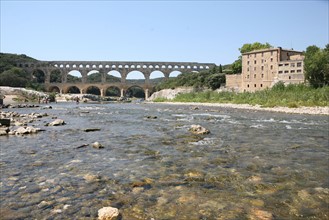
[[258, 214], [47, 107], [91, 129], [27, 130], [4, 131], [151, 117], [57, 122], [97, 145], [4, 122], [91, 178], [108, 213], [22, 130], [198, 129]]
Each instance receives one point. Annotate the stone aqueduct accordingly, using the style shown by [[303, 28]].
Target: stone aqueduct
[[104, 67]]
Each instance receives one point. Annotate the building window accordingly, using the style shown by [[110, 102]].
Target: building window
[[255, 62], [248, 62], [262, 75], [286, 64], [292, 71], [289, 77], [254, 68], [299, 64], [280, 64], [254, 75], [299, 71], [255, 85], [262, 61], [248, 85], [262, 54], [286, 71], [271, 59], [255, 55], [261, 85], [271, 67], [247, 76], [271, 53], [292, 64], [262, 67], [280, 71]]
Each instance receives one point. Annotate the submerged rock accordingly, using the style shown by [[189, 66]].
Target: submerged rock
[[97, 145], [108, 213], [198, 129], [57, 122], [91, 129]]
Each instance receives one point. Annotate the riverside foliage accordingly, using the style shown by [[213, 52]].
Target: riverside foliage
[[280, 95]]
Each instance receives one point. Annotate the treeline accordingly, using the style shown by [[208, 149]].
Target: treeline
[[10, 75], [212, 78]]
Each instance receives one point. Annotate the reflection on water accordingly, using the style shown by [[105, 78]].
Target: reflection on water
[[252, 165]]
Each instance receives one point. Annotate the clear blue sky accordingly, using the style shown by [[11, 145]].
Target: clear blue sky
[[196, 31]]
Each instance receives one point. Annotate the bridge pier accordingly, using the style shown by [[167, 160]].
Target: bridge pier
[[147, 94], [122, 92], [102, 92]]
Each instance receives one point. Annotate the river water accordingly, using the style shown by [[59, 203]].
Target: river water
[[252, 165]]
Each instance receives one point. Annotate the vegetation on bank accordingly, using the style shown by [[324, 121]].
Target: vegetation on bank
[[280, 95]]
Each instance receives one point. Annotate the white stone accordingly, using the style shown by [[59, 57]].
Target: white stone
[[108, 213]]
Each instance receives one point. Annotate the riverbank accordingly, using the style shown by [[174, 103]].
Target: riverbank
[[299, 110]]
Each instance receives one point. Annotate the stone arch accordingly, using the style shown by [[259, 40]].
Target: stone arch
[[135, 75], [94, 76], [73, 90], [74, 76], [135, 91], [156, 74], [54, 89], [93, 90], [175, 73], [113, 76], [55, 76], [38, 76], [113, 91]]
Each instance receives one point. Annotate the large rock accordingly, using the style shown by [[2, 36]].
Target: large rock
[[97, 145], [57, 122], [27, 130], [169, 93], [108, 213], [198, 129]]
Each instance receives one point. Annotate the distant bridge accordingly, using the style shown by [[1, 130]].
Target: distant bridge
[[104, 68]]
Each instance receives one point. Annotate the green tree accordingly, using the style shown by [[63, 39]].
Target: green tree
[[220, 68], [214, 81], [316, 66], [14, 77]]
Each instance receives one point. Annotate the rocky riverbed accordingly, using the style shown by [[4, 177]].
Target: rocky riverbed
[[163, 161]]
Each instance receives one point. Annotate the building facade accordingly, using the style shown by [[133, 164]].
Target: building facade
[[263, 68]]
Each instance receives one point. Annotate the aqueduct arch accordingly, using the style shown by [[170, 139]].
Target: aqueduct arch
[[56, 73]]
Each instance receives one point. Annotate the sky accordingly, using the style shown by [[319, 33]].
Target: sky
[[177, 31]]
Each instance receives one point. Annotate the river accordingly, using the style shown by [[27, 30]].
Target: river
[[252, 165]]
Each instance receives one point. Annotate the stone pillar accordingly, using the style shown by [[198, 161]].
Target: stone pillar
[[147, 94], [103, 75], [122, 92], [123, 73], [47, 76], [82, 91], [84, 73], [102, 92]]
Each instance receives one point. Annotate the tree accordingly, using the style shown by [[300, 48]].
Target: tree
[[220, 68], [237, 66], [316, 66], [214, 81]]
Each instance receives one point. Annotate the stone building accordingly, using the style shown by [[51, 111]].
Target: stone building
[[263, 68]]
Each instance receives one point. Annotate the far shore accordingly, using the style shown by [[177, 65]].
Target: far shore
[[318, 110]]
